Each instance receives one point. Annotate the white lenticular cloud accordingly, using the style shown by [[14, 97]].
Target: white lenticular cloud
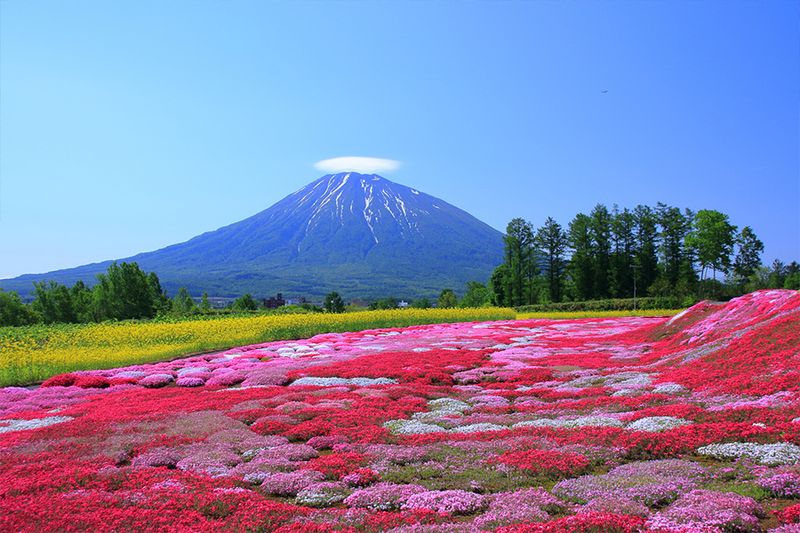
[[357, 164]]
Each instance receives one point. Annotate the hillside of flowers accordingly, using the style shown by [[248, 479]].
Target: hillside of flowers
[[682, 424]]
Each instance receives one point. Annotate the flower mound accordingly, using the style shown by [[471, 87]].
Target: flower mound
[[383, 496], [446, 501], [709, 511]]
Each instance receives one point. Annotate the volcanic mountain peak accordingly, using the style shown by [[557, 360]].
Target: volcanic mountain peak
[[360, 234], [367, 199]]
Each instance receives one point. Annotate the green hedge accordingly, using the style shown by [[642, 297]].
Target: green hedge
[[616, 304]]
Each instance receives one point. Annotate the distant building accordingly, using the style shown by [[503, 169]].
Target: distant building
[[273, 302], [300, 300], [402, 304]]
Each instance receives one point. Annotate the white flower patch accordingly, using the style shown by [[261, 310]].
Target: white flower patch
[[448, 405], [476, 428], [489, 400], [435, 417], [323, 494], [294, 350], [288, 352], [628, 392], [669, 388], [583, 421], [628, 380], [186, 371], [796, 420], [677, 317], [36, 423], [128, 374], [411, 427], [782, 453], [779, 399], [366, 382], [657, 423], [337, 382], [583, 382]]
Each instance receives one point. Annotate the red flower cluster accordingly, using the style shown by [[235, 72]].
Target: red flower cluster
[[337, 465], [582, 523], [789, 515], [545, 462], [81, 380]]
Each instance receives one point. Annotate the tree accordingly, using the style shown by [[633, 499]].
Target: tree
[[521, 261], [712, 238], [645, 257], [600, 230], [333, 303], [183, 304], [161, 302], [674, 228], [552, 242], [623, 253], [581, 264], [748, 257], [13, 312], [500, 286], [447, 298], [477, 295], [792, 280], [421, 303], [205, 306], [385, 303], [125, 291], [53, 303], [245, 302], [82, 301], [776, 277]]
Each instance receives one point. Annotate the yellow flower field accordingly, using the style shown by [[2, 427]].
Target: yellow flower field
[[32, 354]]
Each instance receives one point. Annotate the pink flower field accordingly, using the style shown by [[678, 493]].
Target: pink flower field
[[686, 424]]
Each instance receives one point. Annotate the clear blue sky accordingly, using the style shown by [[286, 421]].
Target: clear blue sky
[[127, 126]]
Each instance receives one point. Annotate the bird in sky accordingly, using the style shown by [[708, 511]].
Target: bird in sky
[[604, 91]]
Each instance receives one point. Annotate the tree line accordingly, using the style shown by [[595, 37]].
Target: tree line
[[654, 251], [123, 292], [126, 292]]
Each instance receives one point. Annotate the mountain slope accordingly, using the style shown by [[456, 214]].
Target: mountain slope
[[362, 235]]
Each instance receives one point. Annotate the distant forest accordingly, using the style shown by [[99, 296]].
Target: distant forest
[[647, 251]]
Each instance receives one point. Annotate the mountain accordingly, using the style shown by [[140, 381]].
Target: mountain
[[359, 234]]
